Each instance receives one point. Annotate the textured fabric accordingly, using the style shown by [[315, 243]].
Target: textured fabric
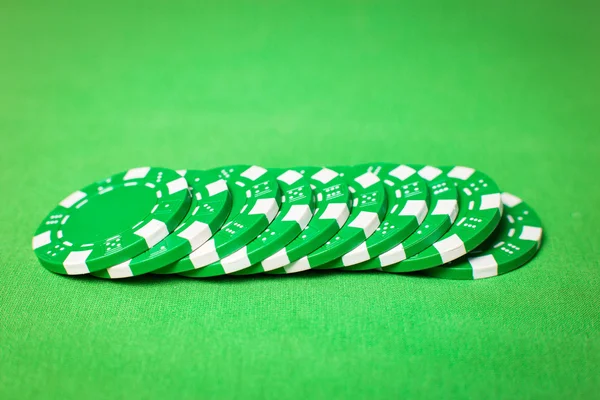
[[511, 89]]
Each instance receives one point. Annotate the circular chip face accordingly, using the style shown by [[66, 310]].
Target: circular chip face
[[211, 204], [512, 245], [480, 209], [111, 221], [369, 205], [256, 201], [333, 208], [408, 199], [296, 211], [440, 216]]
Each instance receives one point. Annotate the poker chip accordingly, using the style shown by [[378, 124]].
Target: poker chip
[[407, 205], [296, 212], [448, 222], [211, 204], [512, 245], [479, 212], [256, 201], [111, 221], [442, 211], [333, 208], [369, 204]]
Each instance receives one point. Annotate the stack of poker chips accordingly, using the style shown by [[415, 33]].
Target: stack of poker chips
[[447, 222]]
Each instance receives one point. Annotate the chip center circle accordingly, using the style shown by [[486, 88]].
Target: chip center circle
[[106, 215]]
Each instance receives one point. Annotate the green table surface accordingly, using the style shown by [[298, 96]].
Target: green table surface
[[511, 88]]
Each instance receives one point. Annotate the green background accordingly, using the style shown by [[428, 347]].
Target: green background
[[511, 88]]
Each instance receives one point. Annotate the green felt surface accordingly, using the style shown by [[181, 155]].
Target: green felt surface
[[511, 88]]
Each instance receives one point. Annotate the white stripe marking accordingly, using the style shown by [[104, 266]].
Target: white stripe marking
[[531, 233], [120, 271], [358, 255], [337, 211], [510, 200], [197, 233], [275, 261], [484, 266], [153, 232], [236, 261], [393, 256], [450, 248], [297, 266], [429, 173], [177, 185], [254, 172], [462, 173], [489, 201], [290, 177], [42, 239], [325, 175], [415, 208], [268, 207], [367, 221], [301, 214], [83, 203], [136, 173], [75, 262], [402, 172], [367, 179], [72, 199], [204, 255], [216, 187]]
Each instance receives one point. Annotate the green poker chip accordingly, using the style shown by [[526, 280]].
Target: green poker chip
[[211, 204], [480, 210], [112, 221], [256, 200], [369, 204], [296, 212], [333, 208], [442, 211], [514, 243], [408, 201]]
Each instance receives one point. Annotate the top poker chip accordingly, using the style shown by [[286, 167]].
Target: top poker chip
[[210, 207], [111, 221]]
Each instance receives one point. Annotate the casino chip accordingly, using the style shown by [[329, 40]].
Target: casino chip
[[111, 221], [480, 209], [256, 199], [440, 216], [333, 203], [408, 199], [296, 211], [369, 205], [512, 245], [211, 203]]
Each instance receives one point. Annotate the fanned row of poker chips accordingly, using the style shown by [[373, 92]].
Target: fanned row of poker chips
[[449, 222]]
